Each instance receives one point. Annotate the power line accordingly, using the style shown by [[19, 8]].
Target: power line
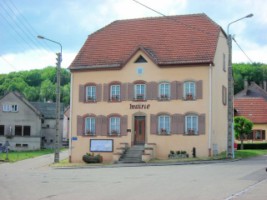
[[19, 25], [175, 20], [8, 63], [27, 25], [242, 50]]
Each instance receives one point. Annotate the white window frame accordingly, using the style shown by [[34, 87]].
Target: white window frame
[[10, 108], [114, 125], [190, 89], [191, 123], [115, 92], [89, 125], [91, 93], [140, 89], [164, 124], [164, 90]]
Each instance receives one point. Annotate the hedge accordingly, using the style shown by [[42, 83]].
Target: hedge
[[253, 146]]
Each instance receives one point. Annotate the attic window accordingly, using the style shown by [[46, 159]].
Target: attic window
[[140, 59]]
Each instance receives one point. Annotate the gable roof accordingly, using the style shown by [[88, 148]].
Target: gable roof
[[48, 109], [25, 101], [170, 40], [253, 90], [252, 103], [255, 109]]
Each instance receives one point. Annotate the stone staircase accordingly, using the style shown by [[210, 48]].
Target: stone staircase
[[133, 155]]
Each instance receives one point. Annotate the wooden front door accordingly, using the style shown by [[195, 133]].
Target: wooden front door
[[139, 130]]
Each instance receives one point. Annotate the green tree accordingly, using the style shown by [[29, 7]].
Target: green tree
[[242, 127], [65, 94], [47, 91]]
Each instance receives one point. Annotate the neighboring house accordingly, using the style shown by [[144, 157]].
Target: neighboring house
[[48, 110], [27, 125], [252, 104], [159, 82], [66, 122], [20, 123]]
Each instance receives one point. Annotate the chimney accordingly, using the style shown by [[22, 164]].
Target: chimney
[[245, 84], [265, 86]]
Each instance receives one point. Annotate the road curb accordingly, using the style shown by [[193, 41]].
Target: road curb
[[146, 164]]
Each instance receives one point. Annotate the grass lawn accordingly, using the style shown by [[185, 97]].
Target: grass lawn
[[22, 155], [249, 153]]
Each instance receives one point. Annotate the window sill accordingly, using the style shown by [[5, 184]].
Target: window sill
[[191, 134], [164, 134]]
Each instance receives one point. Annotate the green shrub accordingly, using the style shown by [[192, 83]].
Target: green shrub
[[90, 158], [253, 146]]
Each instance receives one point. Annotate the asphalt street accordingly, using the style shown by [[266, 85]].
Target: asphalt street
[[33, 179]]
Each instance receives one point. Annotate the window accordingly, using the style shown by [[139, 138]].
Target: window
[[90, 93], [164, 124], [114, 125], [139, 91], [224, 95], [115, 91], [18, 130], [2, 130], [89, 126], [18, 145], [164, 91], [259, 134], [140, 59], [24, 145], [26, 131], [10, 108], [191, 124], [189, 90]]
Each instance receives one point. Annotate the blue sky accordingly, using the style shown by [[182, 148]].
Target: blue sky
[[71, 21]]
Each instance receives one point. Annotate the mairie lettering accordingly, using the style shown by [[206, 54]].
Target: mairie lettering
[[140, 106]]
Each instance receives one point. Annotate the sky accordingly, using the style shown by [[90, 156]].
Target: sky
[[70, 22]]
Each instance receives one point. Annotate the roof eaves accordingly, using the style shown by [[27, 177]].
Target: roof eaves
[[93, 67]]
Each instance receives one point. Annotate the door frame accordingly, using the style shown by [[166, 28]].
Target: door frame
[[138, 114]]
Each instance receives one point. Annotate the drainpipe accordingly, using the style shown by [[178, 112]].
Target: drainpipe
[[70, 118], [210, 108]]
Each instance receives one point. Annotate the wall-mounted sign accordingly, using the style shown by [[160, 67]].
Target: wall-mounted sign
[[74, 138], [101, 145], [139, 106]]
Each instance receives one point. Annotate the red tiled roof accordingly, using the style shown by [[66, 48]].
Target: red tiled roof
[[255, 109], [184, 39]]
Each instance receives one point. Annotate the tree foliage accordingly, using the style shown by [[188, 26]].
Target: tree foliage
[[37, 84], [242, 127], [252, 72]]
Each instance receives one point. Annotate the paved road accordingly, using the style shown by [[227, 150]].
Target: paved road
[[34, 180]]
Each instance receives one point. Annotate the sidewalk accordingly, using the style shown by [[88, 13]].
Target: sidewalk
[[197, 162]]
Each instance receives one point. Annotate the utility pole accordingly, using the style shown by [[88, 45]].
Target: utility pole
[[59, 59], [230, 127], [57, 135]]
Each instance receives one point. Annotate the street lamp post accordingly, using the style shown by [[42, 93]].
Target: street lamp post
[[230, 135], [59, 60]]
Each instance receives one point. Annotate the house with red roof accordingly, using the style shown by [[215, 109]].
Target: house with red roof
[[252, 104], [142, 88]]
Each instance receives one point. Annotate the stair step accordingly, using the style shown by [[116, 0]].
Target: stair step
[[133, 155]]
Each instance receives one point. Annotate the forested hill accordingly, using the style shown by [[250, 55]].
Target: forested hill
[[37, 84], [40, 84], [256, 72]]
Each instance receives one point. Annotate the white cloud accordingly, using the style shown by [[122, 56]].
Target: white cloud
[[36, 59]]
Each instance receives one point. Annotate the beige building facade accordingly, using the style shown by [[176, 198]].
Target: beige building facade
[[170, 107]]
